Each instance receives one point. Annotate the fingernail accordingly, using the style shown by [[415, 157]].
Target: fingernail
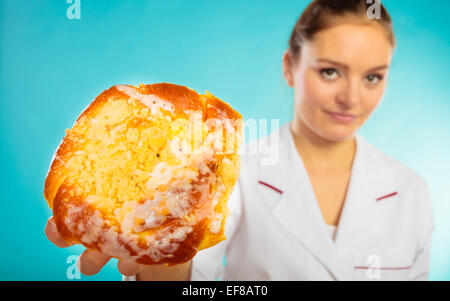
[[52, 226]]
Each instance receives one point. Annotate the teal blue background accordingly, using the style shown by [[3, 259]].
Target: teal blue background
[[52, 67]]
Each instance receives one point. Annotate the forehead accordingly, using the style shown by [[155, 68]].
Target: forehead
[[357, 45]]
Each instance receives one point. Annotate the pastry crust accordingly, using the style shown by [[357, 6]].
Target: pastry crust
[[145, 173]]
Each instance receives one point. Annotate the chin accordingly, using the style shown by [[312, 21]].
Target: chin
[[338, 133]]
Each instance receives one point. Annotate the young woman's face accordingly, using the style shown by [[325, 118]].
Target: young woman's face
[[339, 78]]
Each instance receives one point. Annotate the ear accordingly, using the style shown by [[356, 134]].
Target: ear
[[287, 68]]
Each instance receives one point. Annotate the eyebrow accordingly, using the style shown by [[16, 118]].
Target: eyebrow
[[346, 67]]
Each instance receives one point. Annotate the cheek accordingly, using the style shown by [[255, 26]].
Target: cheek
[[311, 92], [313, 96], [371, 100]]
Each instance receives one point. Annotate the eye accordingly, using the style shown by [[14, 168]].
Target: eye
[[329, 73], [374, 78]]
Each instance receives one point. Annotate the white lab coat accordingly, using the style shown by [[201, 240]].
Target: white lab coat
[[276, 230]]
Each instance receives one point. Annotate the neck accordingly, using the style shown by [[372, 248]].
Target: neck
[[319, 153]]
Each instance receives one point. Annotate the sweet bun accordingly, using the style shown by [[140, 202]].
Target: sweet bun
[[145, 173]]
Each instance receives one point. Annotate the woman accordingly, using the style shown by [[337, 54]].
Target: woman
[[332, 207]]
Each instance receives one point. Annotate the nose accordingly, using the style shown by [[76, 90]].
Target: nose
[[350, 94]]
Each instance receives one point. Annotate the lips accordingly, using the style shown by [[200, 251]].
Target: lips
[[342, 117]]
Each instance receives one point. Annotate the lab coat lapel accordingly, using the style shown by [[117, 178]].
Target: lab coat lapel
[[296, 207], [370, 179]]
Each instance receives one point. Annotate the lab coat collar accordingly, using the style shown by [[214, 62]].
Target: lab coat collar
[[294, 204]]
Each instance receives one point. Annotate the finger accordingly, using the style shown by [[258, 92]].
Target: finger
[[53, 235], [91, 262], [128, 267], [162, 272]]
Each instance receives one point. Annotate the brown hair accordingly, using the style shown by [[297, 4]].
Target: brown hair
[[322, 14]]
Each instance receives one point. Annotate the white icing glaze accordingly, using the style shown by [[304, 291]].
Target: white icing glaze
[[180, 182], [216, 222], [165, 241], [216, 137], [153, 102], [135, 212], [163, 173], [59, 159]]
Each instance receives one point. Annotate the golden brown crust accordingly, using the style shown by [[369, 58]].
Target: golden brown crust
[[183, 99], [57, 172], [63, 200], [217, 108]]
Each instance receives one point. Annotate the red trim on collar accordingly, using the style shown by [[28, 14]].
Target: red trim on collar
[[270, 186], [387, 196], [382, 268]]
